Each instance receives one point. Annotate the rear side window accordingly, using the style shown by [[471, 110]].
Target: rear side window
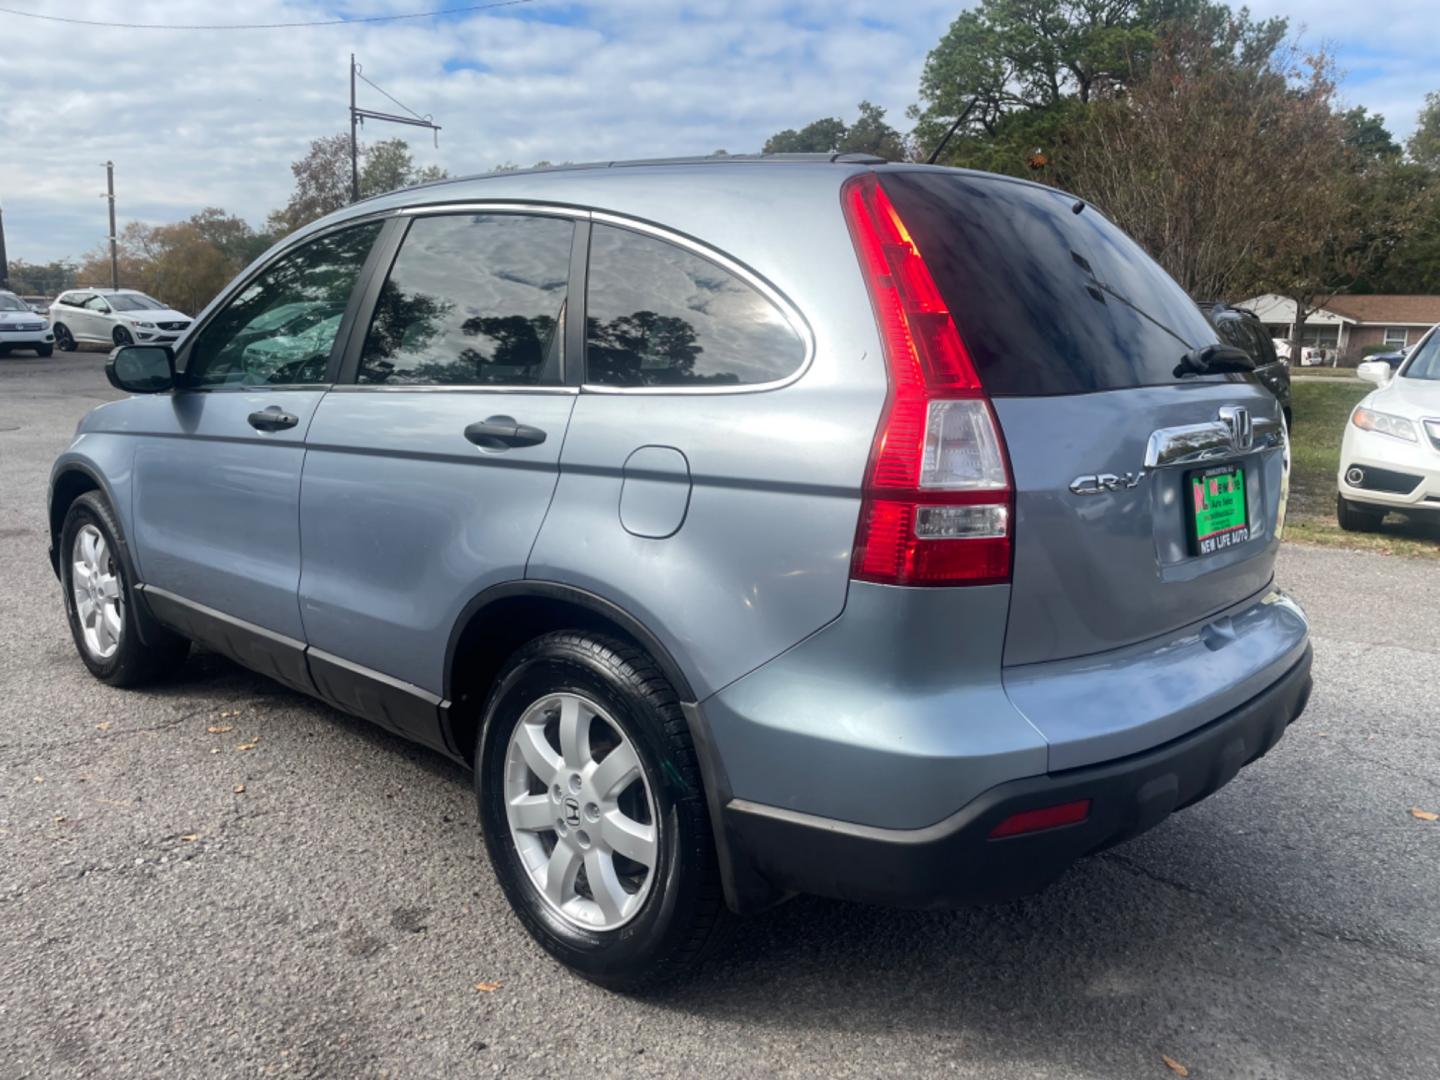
[[660, 315], [472, 300], [1048, 301]]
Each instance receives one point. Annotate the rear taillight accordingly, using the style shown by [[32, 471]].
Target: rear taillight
[[938, 499]]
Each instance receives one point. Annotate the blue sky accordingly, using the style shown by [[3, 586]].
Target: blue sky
[[200, 119]]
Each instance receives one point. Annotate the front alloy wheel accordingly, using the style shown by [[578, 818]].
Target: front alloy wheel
[[99, 599], [122, 337]]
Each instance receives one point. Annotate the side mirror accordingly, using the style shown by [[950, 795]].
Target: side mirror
[[141, 369], [1375, 371]]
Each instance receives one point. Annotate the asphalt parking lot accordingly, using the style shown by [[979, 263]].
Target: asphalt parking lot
[[221, 877]]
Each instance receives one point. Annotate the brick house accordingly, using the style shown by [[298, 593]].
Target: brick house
[[1351, 323]]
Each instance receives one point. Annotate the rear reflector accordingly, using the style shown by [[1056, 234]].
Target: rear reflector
[[1051, 817], [938, 498]]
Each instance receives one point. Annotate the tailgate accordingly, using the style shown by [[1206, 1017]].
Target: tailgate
[[1106, 547], [1147, 487]]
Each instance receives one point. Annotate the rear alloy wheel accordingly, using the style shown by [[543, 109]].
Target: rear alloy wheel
[[594, 813], [64, 338], [119, 641], [121, 336], [1354, 519]]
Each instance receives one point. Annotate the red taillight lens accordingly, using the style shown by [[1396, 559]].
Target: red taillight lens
[[938, 495], [1051, 817]]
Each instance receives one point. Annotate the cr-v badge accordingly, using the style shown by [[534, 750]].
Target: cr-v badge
[[1103, 482]]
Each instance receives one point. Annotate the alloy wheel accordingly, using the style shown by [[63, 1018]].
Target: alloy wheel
[[99, 599], [580, 811]]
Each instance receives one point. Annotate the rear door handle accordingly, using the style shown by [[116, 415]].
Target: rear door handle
[[272, 418], [502, 433]]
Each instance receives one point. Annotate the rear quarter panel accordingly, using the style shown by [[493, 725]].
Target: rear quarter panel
[[762, 557]]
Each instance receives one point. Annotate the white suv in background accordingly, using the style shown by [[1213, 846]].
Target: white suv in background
[[113, 317], [22, 328]]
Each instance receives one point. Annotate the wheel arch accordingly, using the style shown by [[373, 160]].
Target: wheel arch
[[503, 617], [71, 480]]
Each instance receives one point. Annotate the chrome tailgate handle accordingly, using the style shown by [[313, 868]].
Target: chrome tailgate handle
[[1194, 444]]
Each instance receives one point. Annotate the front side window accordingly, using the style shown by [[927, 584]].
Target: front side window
[[472, 300], [281, 326], [659, 315]]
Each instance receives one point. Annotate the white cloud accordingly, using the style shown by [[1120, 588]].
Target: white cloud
[[212, 118], [193, 119]]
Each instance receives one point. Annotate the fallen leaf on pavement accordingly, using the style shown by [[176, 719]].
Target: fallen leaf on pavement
[[39, 779], [229, 713], [104, 725], [239, 789], [487, 987], [1424, 815], [249, 745], [59, 818], [190, 837], [1174, 1066], [219, 729]]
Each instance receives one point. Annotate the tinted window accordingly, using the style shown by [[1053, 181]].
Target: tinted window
[[473, 300], [97, 303], [281, 327], [658, 315], [1047, 300], [1424, 362]]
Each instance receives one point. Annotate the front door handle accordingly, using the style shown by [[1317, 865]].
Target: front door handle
[[272, 418], [502, 432]]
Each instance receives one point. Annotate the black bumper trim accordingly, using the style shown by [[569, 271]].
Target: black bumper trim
[[954, 862]]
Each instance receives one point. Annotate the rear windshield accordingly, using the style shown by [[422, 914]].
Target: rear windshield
[[1048, 301]]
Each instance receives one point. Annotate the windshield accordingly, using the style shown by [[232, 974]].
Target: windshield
[[1424, 362], [134, 302], [11, 303]]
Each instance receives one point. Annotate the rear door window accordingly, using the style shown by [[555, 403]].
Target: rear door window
[[473, 300], [659, 315], [1047, 300]]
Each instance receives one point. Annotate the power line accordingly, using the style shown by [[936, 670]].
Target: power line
[[464, 10]]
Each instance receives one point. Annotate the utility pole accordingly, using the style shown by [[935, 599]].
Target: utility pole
[[4, 259], [358, 117], [110, 195], [354, 145]]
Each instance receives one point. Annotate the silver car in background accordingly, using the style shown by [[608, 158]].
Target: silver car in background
[[751, 526]]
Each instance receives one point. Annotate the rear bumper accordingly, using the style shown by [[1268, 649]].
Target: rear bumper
[[955, 861]]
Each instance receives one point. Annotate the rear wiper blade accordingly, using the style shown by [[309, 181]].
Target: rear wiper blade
[[1214, 360]]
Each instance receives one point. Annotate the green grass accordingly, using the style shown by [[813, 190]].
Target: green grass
[[1321, 411]]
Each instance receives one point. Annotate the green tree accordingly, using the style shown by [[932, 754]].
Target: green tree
[[869, 134], [41, 279], [816, 137], [1033, 68], [1424, 144], [322, 178], [1366, 135]]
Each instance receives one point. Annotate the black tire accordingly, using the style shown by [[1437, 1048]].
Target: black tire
[[684, 914], [1353, 519], [4, 350], [146, 650], [121, 336], [63, 338], [43, 351]]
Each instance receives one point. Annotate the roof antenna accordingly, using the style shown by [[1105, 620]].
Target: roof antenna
[[953, 128]]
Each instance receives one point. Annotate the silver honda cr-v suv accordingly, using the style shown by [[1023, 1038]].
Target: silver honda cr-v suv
[[752, 527]]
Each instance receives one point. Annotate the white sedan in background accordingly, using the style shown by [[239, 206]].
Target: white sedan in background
[[1390, 455]]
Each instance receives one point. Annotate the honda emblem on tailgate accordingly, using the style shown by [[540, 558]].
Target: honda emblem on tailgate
[[1242, 432]]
